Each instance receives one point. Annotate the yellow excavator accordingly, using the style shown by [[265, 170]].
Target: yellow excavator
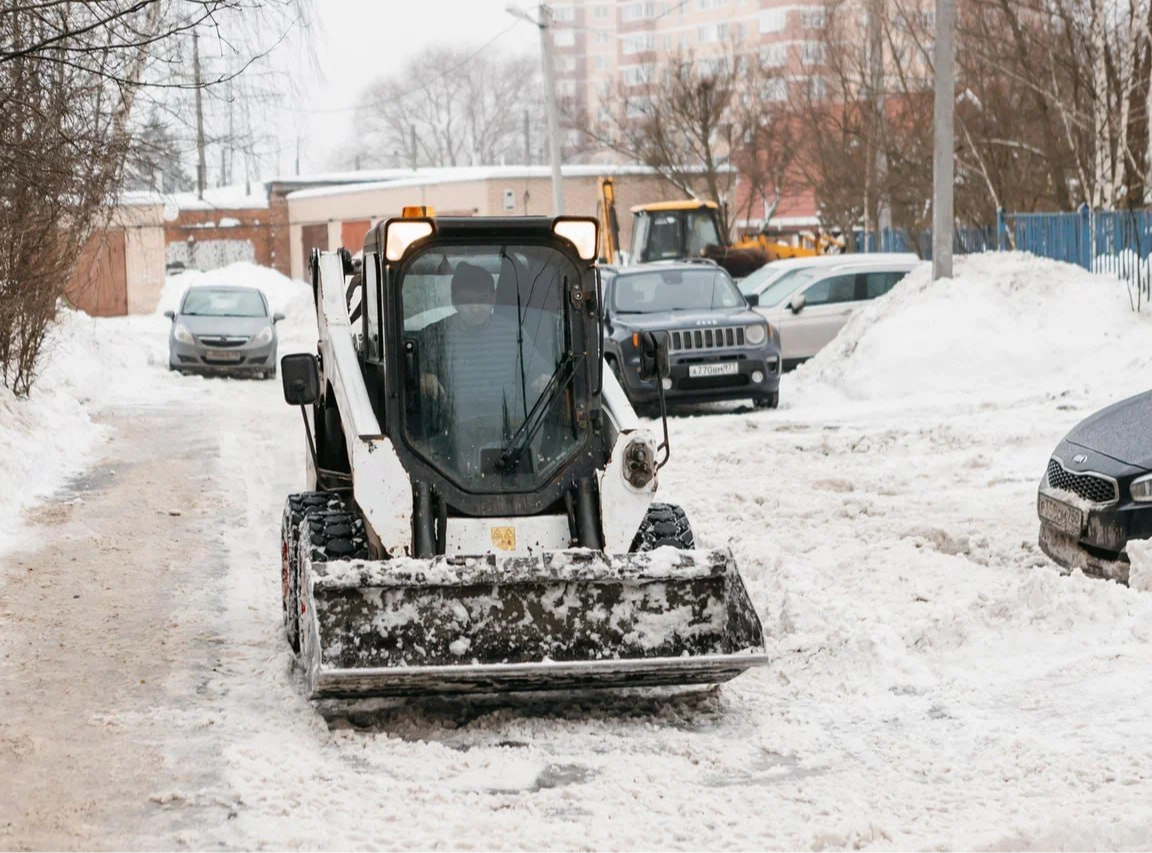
[[690, 228]]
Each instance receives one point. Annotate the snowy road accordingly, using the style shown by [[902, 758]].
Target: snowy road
[[937, 683]]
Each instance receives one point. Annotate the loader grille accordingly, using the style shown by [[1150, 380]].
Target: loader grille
[[1090, 487], [706, 339]]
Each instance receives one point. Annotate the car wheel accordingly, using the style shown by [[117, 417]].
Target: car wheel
[[769, 402]]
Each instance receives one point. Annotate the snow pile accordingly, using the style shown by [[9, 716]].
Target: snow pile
[[1140, 572], [1007, 324]]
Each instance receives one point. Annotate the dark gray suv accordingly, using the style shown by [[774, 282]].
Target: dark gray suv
[[223, 330], [718, 347]]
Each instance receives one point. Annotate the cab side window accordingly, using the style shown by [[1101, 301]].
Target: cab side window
[[832, 290], [879, 283]]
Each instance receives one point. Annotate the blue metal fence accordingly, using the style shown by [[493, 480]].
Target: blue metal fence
[[1115, 242]]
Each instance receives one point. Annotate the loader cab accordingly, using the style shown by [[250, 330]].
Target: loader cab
[[674, 230], [482, 356]]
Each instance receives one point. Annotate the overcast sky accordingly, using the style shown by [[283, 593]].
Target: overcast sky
[[358, 40]]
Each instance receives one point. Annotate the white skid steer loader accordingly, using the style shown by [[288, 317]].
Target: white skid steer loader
[[479, 516]]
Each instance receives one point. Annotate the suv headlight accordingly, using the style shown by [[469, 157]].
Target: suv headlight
[[262, 337], [756, 335], [182, 334], [1142, 488]]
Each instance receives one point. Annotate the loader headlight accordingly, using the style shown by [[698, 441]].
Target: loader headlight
[[756, 335], [402, 233], [581, 233], [262, 337], [1142, 488], [182, 334]]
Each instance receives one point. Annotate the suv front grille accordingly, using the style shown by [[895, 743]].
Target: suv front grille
[[1090, 487], [704, 339]]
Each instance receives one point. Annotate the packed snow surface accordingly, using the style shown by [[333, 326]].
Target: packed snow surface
[[937, 682]]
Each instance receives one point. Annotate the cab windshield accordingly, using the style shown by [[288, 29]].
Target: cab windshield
[[488, 365], [674, 289]]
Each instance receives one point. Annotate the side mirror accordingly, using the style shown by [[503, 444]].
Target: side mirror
[[277, 317], [301, 379], [171, 315], [797, 302], [753, 299], [654, 356]]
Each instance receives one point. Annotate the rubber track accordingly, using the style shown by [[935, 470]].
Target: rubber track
[[664, 524], [296, 509]]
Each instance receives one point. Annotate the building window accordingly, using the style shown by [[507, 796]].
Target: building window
[[563, 38], [638, 43], [711, 33], [776, 90], [563, 13], [566, 64], [813, 53], [773, 20], [812, 18], [638, 10], [774, 55], [703, 5], [600, 11]]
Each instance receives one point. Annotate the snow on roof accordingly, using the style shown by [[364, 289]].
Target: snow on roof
[[462, 174]]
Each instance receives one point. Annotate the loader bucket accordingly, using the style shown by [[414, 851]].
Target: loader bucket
[[568, 619]]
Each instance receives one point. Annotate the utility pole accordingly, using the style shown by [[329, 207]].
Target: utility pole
[[943, 155], [543, 21], [201, 165], [412, 137], [527, 140]]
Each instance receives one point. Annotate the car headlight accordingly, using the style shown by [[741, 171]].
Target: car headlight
[[756, 335], [262, 337], [182, 334], [1142, 488]]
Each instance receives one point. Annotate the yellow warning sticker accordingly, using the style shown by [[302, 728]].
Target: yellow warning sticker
[[504, 538]]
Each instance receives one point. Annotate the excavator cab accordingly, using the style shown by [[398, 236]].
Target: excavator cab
[[675, 230]]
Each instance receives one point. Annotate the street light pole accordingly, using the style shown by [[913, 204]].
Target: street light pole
[[943, 155], [544, 23]]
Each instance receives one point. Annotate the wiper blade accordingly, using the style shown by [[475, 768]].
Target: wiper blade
[[522, 438]]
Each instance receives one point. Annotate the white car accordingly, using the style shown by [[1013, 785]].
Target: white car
[[810, 303]]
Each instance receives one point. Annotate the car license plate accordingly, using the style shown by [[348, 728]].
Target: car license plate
[[721, 369], [1062, 516], [221, 355]]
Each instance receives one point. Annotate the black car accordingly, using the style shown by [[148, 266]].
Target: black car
[[718, 347], [1097, 492]]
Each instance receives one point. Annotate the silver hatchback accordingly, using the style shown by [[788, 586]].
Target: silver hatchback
[[223, 330]]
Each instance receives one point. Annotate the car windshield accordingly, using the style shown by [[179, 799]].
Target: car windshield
[[674, 289], [485, 345], [202, 302], [757, 280], [785, 286]]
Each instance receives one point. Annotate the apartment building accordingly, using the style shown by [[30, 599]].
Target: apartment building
[[601, 45]]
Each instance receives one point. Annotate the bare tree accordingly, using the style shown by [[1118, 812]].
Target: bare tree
[[468, 111], [701, 124]]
